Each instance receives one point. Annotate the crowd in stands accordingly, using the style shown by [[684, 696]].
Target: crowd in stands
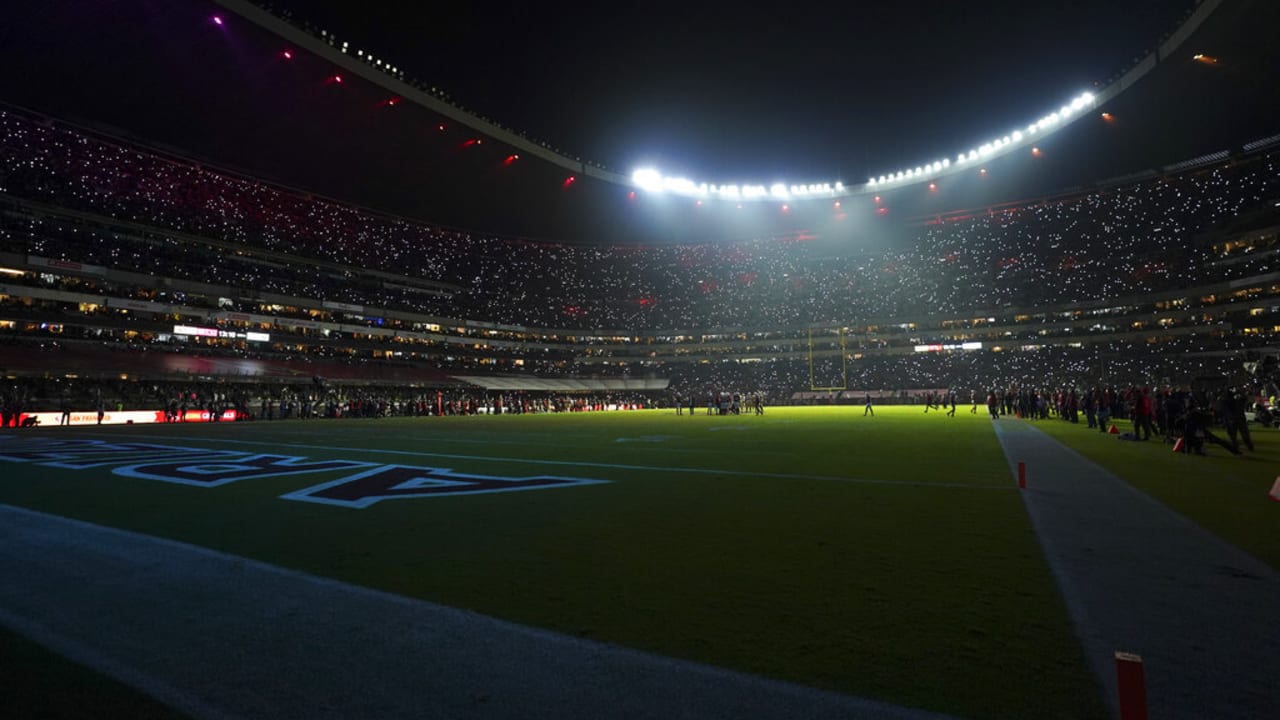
[[1106, 243], [171, 218], [1178, 361]]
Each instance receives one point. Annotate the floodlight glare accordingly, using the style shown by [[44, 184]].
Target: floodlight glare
[[647, 179]]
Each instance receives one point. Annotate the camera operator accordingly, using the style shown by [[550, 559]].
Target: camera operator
[[1195, 431]]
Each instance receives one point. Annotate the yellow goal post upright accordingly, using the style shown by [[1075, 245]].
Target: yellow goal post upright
[[840, 342]]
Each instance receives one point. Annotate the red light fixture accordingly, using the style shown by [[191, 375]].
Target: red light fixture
[[933, 187], [287, 54], [837, 204], [983, 172], [510, 159], [569, 181], [337, 79], [440, 127], [1035, 152], [786, 209]]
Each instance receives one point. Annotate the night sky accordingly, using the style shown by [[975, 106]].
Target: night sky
[[717, 91], [716, 88]]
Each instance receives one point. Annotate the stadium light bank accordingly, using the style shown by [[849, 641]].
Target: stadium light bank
[[651, 180]]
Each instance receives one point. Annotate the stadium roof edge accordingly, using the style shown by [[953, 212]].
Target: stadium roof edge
[[325, 48]]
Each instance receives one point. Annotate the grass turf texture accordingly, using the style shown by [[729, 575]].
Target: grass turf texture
[[925, 587], [37, 684], [1223, 493]]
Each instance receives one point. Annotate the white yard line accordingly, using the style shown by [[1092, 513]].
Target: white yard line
[[669, 469]]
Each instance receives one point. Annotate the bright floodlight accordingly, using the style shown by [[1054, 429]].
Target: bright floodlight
[[647, 179], [1001, 145]]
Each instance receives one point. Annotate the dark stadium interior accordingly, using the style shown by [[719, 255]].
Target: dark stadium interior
[[193, 225]]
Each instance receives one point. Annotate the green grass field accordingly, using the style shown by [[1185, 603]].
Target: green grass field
[[888, 557]]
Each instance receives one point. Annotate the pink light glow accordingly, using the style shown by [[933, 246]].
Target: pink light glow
[[288, 55], [217, 19]]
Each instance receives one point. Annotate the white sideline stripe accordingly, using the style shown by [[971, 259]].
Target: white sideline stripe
[[576, 463], [87, 656], [831, 703]]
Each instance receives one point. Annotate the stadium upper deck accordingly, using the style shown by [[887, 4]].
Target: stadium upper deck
[[1129, 240], [1186, 260]]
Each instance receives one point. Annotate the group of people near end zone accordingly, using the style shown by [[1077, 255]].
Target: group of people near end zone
[[721, 403], [1175, 415], [946, 402]]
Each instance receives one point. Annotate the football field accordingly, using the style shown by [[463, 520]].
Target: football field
[[888, 557]]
